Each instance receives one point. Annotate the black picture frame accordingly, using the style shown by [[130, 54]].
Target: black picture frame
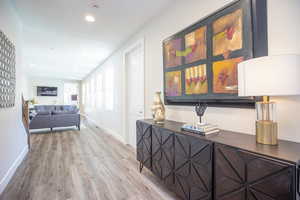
[[44, 91], [255, 44]]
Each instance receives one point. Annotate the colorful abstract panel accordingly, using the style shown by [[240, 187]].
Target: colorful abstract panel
[[173, 83], [195, 45], [171, 49], [228, 34], [196, 80], [225, 76]]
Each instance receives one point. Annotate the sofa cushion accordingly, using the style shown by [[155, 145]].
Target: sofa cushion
[[44, 108], [43, 113], [58, 108], [69, 108], [60, 112]]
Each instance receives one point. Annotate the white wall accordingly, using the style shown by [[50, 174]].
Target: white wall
[[13, 142], [33, 82], [284, 31]]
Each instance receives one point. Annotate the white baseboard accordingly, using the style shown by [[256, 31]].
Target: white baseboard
[[114, 134], [11, 171], [107, 130]]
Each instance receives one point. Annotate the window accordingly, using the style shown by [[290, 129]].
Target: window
[[93, 93], [109, 89], [88, 94], [99, 92], [83, 90]]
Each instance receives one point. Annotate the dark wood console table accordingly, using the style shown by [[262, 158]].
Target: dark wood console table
[[224, 166]]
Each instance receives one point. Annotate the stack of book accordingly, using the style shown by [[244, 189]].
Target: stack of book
[[201, 129]]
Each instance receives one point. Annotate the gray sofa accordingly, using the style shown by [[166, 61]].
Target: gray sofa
[[54, 117]]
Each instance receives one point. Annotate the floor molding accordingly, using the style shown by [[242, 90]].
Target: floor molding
[[11, 171], [107, 130]]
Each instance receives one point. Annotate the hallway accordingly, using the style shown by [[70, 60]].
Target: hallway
[[85, 165]]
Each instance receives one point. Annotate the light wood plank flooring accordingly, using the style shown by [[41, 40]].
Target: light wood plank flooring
[[82, 165]]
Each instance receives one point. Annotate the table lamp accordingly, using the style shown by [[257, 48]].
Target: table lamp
[[269, 76]]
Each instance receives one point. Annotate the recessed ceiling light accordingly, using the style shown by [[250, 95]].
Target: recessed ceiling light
[[90, 18]]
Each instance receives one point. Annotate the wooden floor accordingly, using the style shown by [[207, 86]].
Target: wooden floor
[[85, 165]]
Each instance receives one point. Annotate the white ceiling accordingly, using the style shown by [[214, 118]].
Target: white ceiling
[[59, 43]]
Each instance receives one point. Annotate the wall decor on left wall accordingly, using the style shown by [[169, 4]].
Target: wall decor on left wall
[[7, 72]]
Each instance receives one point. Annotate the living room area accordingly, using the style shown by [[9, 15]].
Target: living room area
[[52, 103], [149, 100]]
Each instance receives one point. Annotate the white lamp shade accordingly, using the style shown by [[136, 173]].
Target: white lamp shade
[[270, 76]]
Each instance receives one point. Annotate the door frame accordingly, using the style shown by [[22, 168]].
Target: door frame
[[139, 42]]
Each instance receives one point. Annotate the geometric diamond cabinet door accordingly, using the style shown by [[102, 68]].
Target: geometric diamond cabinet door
[[143, 134], [240, 175], [163, 154], [193, 168]]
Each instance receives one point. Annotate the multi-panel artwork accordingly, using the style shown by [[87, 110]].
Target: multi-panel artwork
[[201, 62], [7, 72]]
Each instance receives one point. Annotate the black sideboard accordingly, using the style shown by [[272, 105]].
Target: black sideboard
[[224, 166]]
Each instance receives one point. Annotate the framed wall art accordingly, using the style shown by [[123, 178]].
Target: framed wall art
[[200, 62], [7, 72]]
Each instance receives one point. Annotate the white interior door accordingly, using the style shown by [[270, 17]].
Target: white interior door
[[134, 67]]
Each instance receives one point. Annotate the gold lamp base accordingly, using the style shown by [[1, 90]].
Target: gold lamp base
[[266, 132]]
